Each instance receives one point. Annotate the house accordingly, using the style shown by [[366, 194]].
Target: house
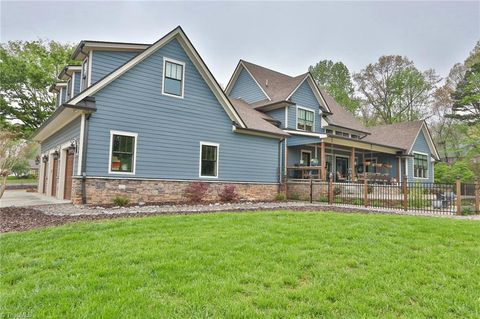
[[146, 120]]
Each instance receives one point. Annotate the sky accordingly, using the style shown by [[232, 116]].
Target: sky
[[284, 36]]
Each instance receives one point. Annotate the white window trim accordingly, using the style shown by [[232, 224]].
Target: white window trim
[[60, 97], [87, 60], [296, 118], [165, 60], [428, 165], [72, 91], [134, 164], [200, 160]]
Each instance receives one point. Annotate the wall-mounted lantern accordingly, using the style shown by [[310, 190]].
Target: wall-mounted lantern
[[73, 145], [56, 154], [45, 158]]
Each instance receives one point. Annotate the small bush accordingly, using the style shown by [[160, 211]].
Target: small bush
[[337, 190], [357, 201], [196, 192], [121, 201], [280, 197], [466, 210], [294, 196], [323, 199], [229, 194], [338, 200]]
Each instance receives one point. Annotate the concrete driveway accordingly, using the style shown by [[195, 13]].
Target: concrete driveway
[[21, 198]]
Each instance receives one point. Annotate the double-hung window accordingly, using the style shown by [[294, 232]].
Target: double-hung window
[[122, 152], [208, 159], [173, 77], [85, 74], [420, 165], [305, 119]]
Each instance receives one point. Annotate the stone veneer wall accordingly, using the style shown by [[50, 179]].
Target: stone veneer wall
[[104, 190]]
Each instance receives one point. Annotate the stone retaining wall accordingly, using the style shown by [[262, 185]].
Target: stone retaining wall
[[103, 191]]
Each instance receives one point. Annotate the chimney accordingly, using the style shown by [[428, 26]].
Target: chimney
[[266, 82]]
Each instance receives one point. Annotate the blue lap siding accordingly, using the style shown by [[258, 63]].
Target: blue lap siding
[[420, 146], [76, 83], [246, 88], [104, 62], [170, 129], [304, 97], [64, 135]]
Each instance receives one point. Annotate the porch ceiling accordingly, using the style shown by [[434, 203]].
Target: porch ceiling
[[362, 145]]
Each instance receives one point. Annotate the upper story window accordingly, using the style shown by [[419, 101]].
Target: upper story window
[[122, 152], [173, 77], [420, 165], [209, 160], [305, 119], [329, 131], [85, 74], [69, 89], [355, 136]]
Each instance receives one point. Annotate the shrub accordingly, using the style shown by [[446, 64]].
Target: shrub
[[338, 200], [357, 201], [467, 210], [280, 197], [323, 199], [294, 196], [121, 201], [229, 194], [196, 192], [337, 190]]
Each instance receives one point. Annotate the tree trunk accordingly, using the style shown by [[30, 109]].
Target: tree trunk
[[3, 186]]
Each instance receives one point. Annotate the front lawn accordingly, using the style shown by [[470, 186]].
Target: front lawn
[[237, 265], [16, 180]]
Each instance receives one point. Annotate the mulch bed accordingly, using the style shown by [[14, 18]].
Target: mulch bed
[[14, 219]]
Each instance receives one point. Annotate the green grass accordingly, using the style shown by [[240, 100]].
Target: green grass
[[16, 180], [276, 264]]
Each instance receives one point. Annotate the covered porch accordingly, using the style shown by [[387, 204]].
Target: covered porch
[[344, 160]]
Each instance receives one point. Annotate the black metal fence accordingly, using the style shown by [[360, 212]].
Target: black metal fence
[[422, 197]]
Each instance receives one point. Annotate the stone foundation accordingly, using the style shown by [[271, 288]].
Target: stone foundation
[[104, 190]]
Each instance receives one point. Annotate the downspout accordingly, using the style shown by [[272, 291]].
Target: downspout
[[84, 159]]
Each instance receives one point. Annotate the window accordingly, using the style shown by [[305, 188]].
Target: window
[[208, 160], [420, 165], [173, 74], [84, 74], [339, 133], [69, 89], [122, 152], [329, 131], [345, 134], [355, 136], [305, 119]]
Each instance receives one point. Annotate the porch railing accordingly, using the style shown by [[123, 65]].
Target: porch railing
[[458, 198]]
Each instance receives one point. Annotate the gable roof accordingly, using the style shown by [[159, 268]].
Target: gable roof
[[341, 117], [402, 135], [256, 120], [181, 37], [276, 86]]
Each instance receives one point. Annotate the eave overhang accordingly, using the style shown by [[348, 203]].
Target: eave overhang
[[63, 115]]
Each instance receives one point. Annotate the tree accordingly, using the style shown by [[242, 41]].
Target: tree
[[12, 151], [394, 90], [336, 80], [27, 69], [466, 97], [444, 128], [448, 173]]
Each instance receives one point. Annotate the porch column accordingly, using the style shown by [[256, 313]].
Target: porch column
[[323, 161], [399, 169], [352, 163]]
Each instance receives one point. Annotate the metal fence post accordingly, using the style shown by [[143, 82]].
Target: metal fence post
[[477, 196], [459, 196], [405, 192], [330, 191], [365, 191]]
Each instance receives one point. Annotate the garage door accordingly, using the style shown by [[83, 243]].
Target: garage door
[[54, 176], [45, 172], [67, 193]]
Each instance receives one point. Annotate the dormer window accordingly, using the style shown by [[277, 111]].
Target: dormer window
[[305, 119], [173, 77], [84, 74]]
